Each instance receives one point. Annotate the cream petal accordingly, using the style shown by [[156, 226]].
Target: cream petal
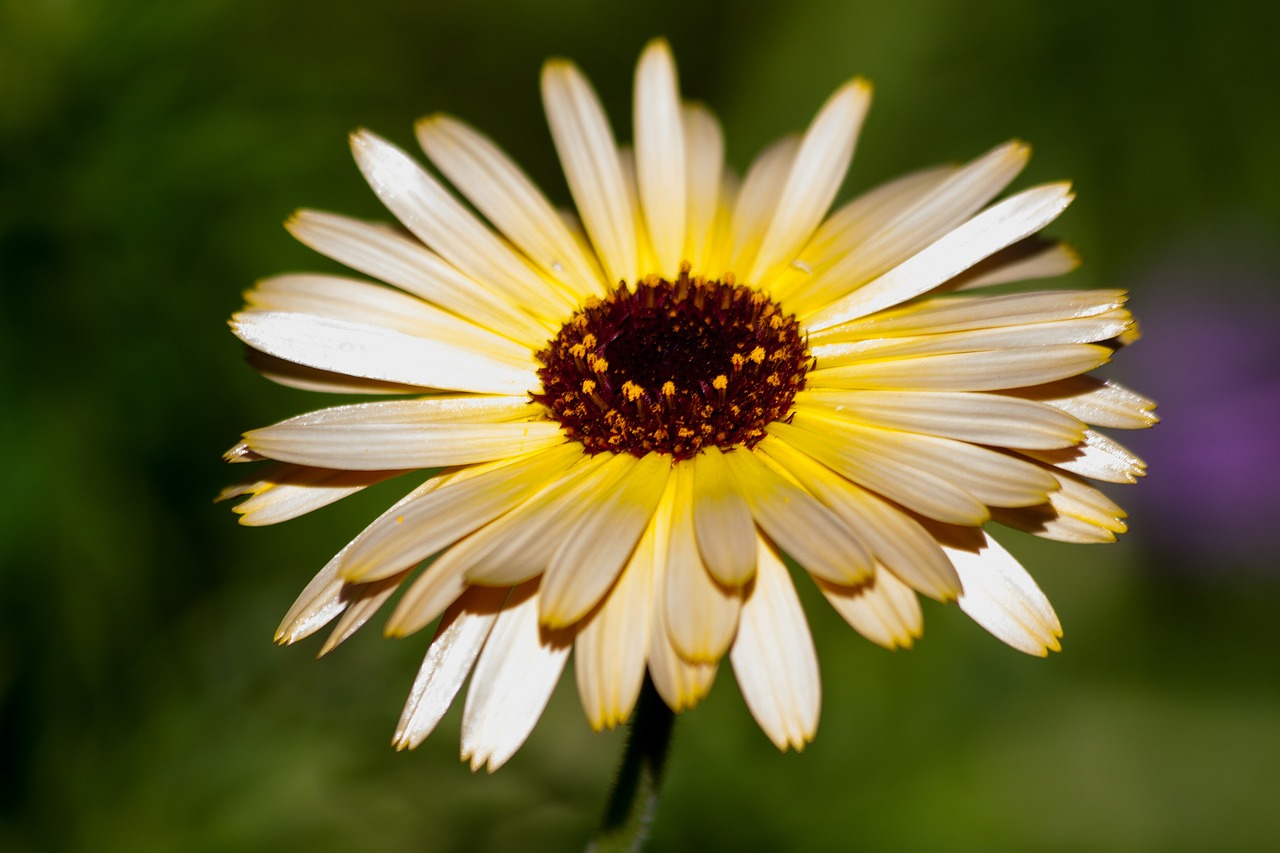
[[610, 649], [704, 169], [589, 156], [701, 614], [391, 256], [994, 478], [660, 155], [1105, 327], [681, 684], [1000, 596], [983, 235], [1095, 401], [429, 522], [287, 491], [449, 659], [514, 677], [884, 609], [967, 416], [757, 200], [894, 538], [1076, 513], [1028, 259], [815, 177], [369, 304], [304, 378], [917, 489], [909, 230], [722, 520], [969, 313], [774, 659], [538, 522], [322, 599], [802, 525], [991, 370], [317, 605], [520, 545], [590, 557], [850, 226], [375, 353], [510, 200], [364, 601], [442, 222], [1097, 457], [378, 446]]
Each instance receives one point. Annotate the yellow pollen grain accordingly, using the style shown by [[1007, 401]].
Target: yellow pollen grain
[[589, 341], [720, 383], [588, 386], [668, 388], [578, 351], [738, 361], [757, 355], [632, 391]]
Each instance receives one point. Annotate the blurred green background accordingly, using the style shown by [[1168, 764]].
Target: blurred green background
[[148, 154]]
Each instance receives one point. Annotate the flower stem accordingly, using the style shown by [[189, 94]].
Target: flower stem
[[629, 812]]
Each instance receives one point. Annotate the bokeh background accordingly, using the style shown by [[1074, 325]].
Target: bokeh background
[[149, 152]]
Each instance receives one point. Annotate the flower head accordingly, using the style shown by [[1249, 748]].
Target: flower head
[[637, 410]]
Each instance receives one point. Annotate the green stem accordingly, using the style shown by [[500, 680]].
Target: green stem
[[626, 820]]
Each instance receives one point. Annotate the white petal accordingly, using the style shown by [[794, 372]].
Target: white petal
[[374, 353], [448, 661], [758, 199], [589, 156], [1095, 401], [909, 230], [610, 650], [519, 545], [378, 445], [430, 522], [322, 599], [801, 524], [1026, 260], [991, 370], [364, 600], [893, 537], [969, 313], [815, 178], [510, 200], [849, 227], [438, 219], [966, 245], [591, 555], [1000, 596], [701, 614], [394, 257], [884, 609], [994, 478], [1076, 513], [704, 168], [722, 520], [980, 418], [304, 378], [374, 305], [660, 154], [917, 489], [1097, 457], [681, 684], [286, 491], [774, 659], [514, 677]]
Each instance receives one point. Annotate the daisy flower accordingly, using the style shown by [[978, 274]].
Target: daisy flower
[[635, 414]]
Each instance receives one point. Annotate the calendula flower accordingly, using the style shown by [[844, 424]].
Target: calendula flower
[[632, 413]]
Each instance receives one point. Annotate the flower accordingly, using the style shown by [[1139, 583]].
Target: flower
[[636, 413]]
